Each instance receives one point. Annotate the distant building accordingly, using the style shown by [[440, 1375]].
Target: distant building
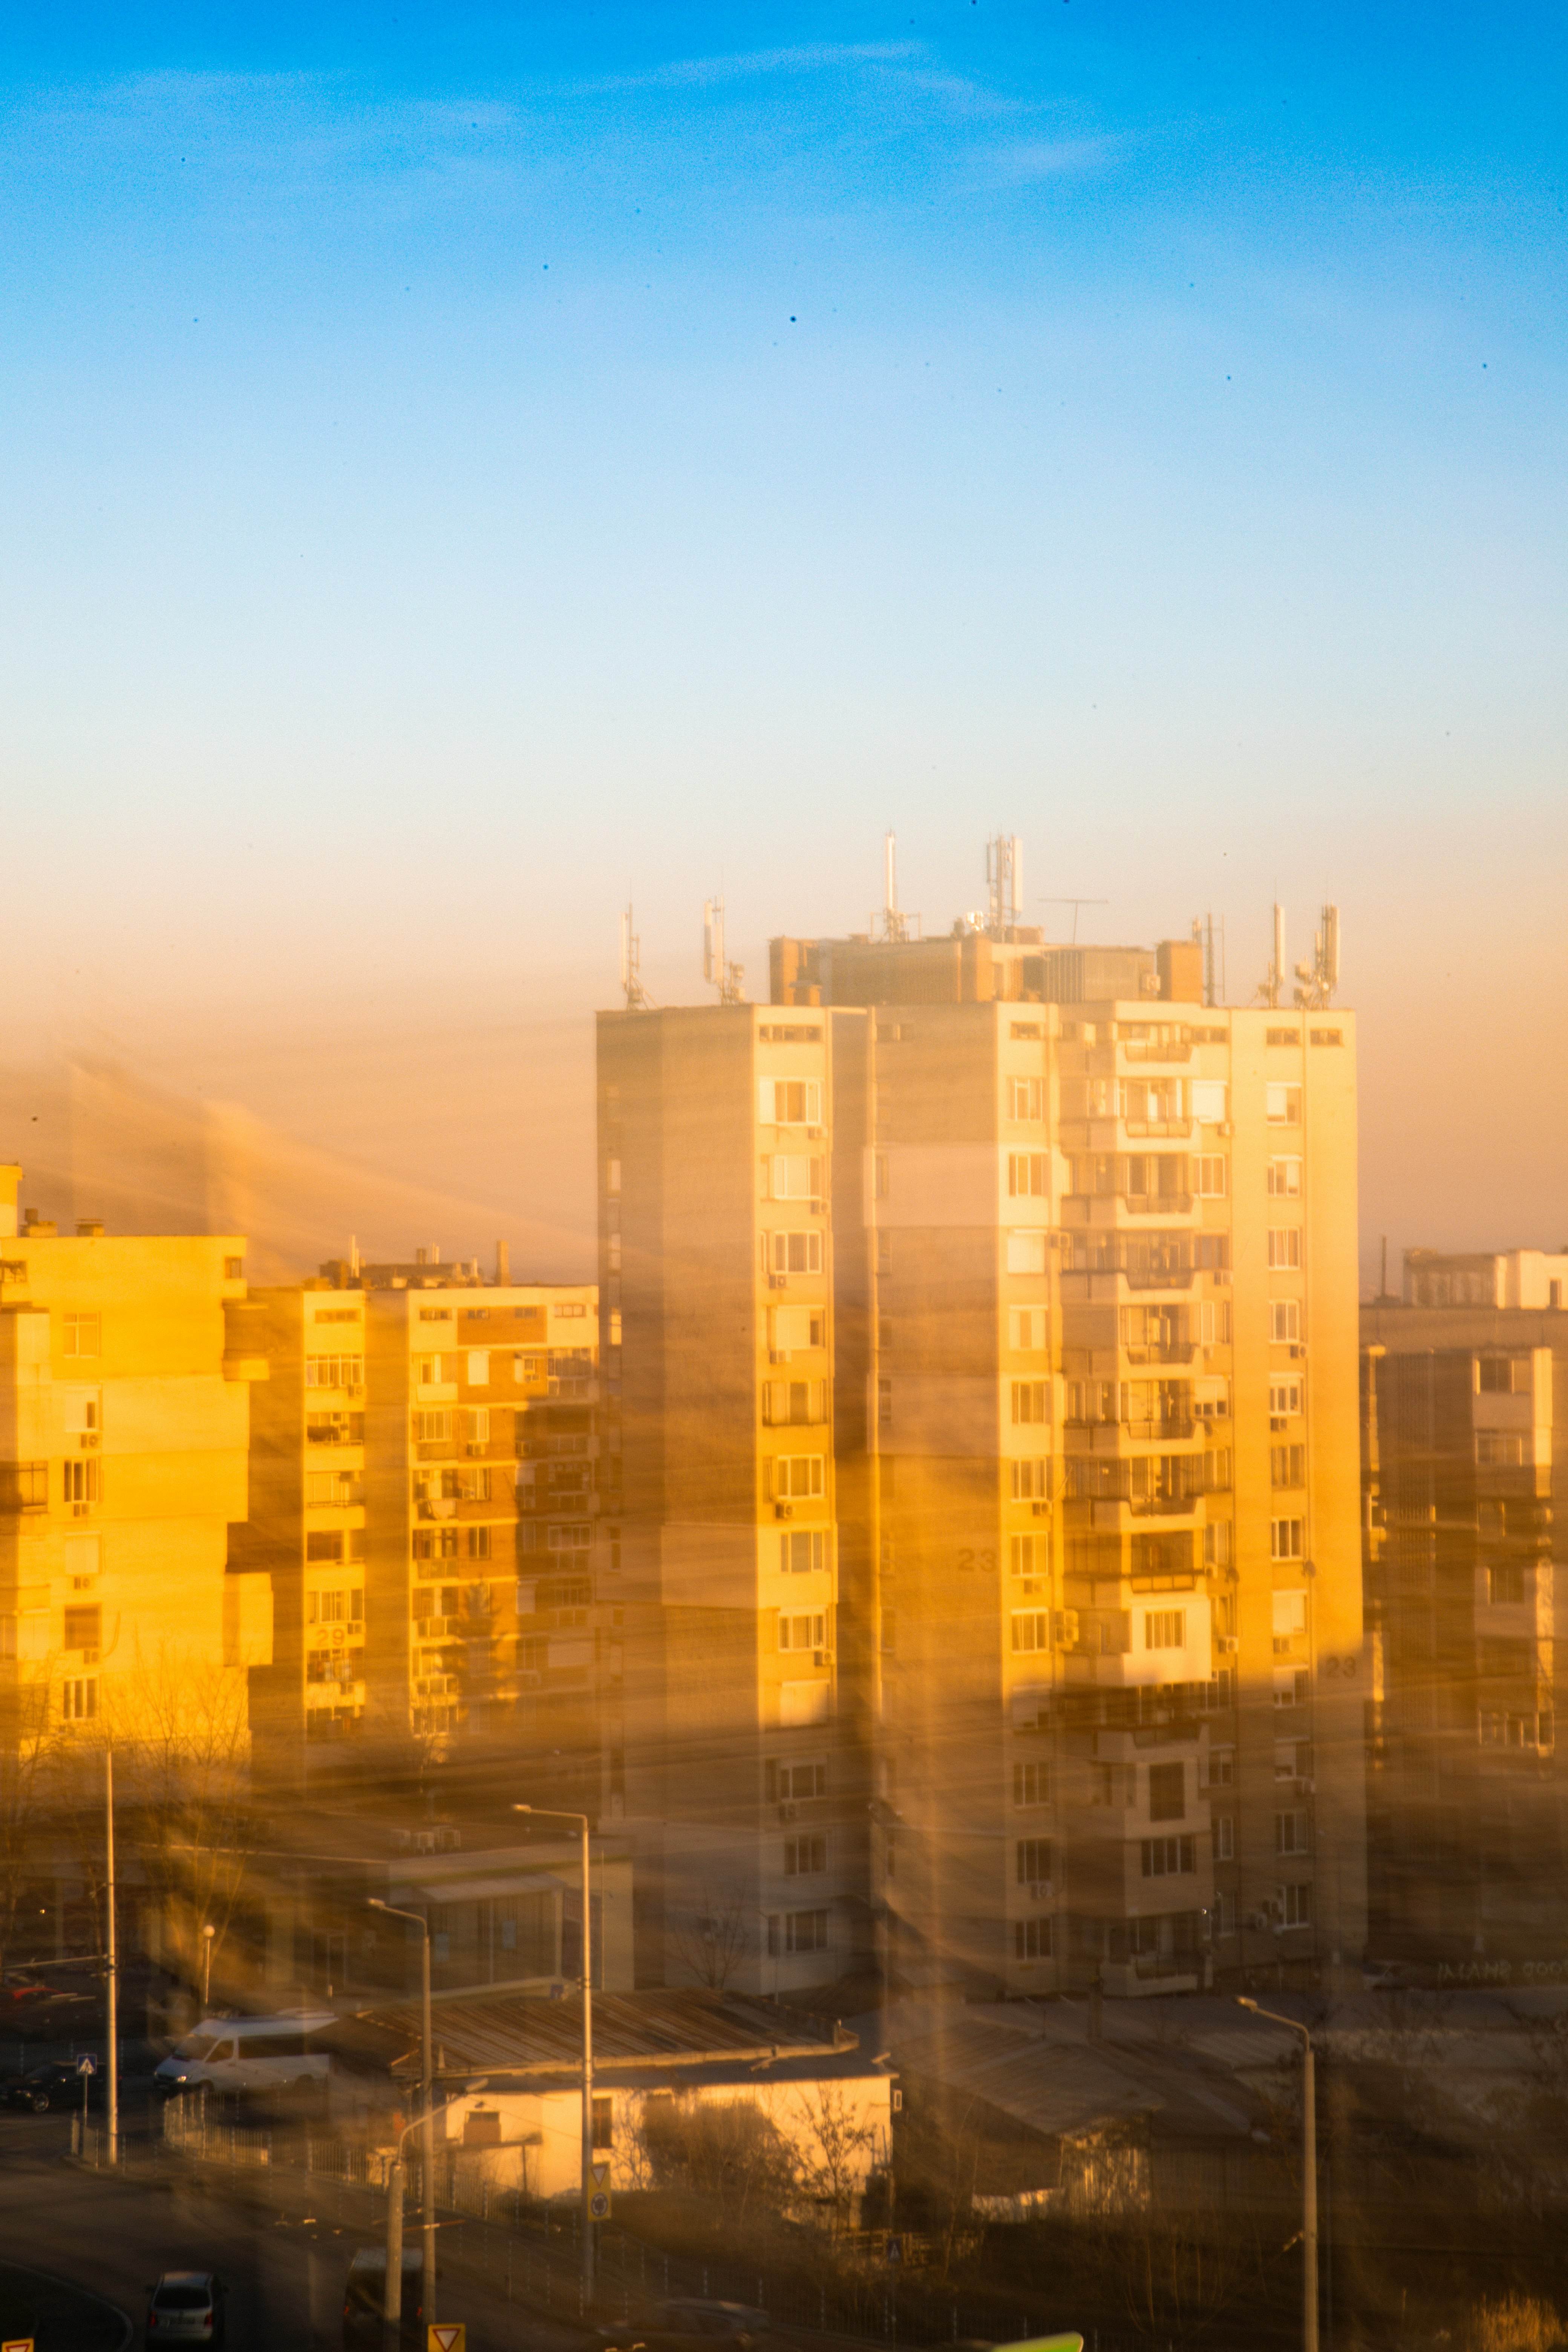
[[1464, 1453], [123, 1425], [985, 1370], [426, 1495]]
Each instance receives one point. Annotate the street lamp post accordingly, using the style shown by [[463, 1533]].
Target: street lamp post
[[548, 1813], [208, 1934], [1308, 2173], [427, 2104], [111, 1988]]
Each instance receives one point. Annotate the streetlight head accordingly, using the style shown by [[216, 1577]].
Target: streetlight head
[[523, 1809], [374, 1903], [1242, 2002]]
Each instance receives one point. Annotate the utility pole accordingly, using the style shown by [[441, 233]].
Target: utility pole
[[427, 2111], [1308, 2173], [546, 1813], [208, 1934], [112, 1989]]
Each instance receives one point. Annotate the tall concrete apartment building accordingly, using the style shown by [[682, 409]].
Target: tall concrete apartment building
[[123, 1468], [425, 1497], [984, 1329], [1465, 1454]]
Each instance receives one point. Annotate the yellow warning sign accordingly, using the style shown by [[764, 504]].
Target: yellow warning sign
[[446, 2336], [599, 2195], [17, 2344]]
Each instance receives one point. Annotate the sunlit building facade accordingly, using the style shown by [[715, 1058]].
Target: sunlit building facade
[[1076, 1313], [1465, 1452], [124, 1614], [427, 1497]]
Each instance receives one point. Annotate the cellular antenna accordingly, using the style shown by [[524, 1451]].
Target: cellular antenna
[[1276, 977], [720, 974], [1004, 874], [1316, 982], [632, 988]]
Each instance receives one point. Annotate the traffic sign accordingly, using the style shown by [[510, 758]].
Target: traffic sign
[[442, 2336], [599, 2195], [17, 2344], [87, 2063], [1071, 2342]]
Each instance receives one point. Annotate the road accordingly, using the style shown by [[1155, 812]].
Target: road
[[285, 2281]]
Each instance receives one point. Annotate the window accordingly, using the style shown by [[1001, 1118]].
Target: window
[[1032, 1939], [78, 1699], [84, 1628], [1164, 1629], [1285, 1321], [1031, 1481], [1209, 1177], [1222, 1768], [801, 1551], [805, 1931], [326, 1608], [1034, 1861], [233, 1269], [571, 1535], [334, 1429], [1026, 1251], [1290, 1613], [604, 2110], [1505, 1584], [1026, 1098], [1027, 1175], [1209, 1100], [794, 1783], [797, 1254], [1026, 1554], [1283, 1104], [1286, 1539], [83, 1335], [795, 1176], [1167, 1792], [334, 1372], [1170, 1857], [1289, 1686], [1289, 1832], [1287, 1465], [1026, 1327], [807, 1631], [324, 1543], [1029, 1402], [1284, 1247], [1502, 1375], [789, 1102], [479, 1368], [1501, 1449], [804, 1857], [792, 1404], [797, 1476], [796, 1328], [1285, 1396], [432, 1428], [82, 1484], [1285, 1179], [478, 1543], [1296, 1906], [1223, 1838], [884, 1404], [1214, 1322], [441, 1314], [1031, 1784], [1031, 1629]]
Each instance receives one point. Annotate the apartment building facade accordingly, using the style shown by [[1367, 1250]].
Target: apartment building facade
[[123, 1420], [1464, 1453], [1090, 1701], [426, 1497]]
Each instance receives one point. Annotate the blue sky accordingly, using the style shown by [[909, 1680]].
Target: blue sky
[[462, 469]]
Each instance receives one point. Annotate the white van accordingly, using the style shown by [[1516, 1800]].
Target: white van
[[254, 2055]]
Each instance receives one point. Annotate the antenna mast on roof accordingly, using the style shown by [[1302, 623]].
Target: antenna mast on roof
[[1316, 982], [1004, 874], [895, 924], [1275, 978], [632, 988], [723, 976]]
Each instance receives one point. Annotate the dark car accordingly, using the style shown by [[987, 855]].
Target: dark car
[[364, 2298], [185, 2307], [56, 2084], [690, 2326]]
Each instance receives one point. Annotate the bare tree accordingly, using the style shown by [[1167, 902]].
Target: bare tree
[[27, 1741], [835, 2168], [713, 1942]]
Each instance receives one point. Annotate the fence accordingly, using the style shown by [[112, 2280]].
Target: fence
[[532, 2253]]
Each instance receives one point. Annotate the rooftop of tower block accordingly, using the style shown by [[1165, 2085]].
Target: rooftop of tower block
[[972, 965]]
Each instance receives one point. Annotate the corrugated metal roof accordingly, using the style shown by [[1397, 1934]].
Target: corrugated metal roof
[[521, 2032]]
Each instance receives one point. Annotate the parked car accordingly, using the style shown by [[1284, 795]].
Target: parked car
[[56, 2084], [690, 2326], [364, 2298], [185, 2307]]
